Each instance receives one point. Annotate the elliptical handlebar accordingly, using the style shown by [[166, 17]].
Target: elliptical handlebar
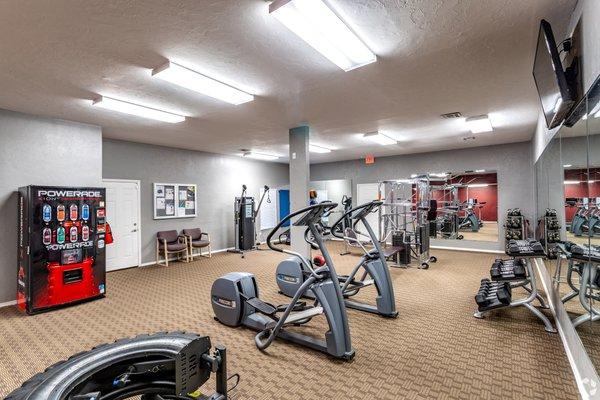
[[316, 211], [366, 207]]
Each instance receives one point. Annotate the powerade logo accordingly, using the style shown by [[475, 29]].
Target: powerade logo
[[69, 193], [66, 246]]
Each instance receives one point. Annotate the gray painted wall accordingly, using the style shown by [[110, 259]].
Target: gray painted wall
[[39, 151], [512, 162], [219, 179]]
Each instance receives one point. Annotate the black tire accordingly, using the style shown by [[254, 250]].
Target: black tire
[[433, 259], [104, 363]]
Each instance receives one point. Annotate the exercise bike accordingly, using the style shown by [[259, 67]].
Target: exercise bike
[[291, 275], [235, 300]]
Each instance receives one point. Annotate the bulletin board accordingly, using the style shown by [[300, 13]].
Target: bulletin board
[[174, 200]]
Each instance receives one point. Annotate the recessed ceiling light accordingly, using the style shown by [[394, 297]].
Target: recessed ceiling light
[[313, 148], [321, 28], [379, 138], [190, 79], [126, 107], [260, 156], [479, 124], [567, 166]]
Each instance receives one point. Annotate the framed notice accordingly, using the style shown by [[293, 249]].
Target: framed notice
[[174, 200]]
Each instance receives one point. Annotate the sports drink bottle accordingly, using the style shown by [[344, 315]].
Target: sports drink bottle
[[60, 212], [47, 213], [60, 235]]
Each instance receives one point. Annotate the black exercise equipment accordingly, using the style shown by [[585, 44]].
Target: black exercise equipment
[[159, 366], [245, 213]]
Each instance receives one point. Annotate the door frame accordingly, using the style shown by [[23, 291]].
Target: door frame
[[137, 182]]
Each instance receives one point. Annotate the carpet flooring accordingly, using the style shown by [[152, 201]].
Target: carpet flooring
[[435, 349]]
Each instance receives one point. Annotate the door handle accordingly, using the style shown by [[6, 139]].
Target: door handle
[[135, 230]]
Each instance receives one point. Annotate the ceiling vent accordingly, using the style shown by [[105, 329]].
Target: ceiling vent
[[451, 115]]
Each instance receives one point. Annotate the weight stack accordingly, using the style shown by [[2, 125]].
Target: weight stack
[[398, 241]]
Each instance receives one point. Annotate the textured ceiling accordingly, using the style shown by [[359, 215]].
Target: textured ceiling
[[434, 57]]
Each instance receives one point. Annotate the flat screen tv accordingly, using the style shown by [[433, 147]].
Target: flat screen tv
[[550, 79]]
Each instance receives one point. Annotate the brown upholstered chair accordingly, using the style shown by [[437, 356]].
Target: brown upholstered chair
[[197, 239], [170, 242]]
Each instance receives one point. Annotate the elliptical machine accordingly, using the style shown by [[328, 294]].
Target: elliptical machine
[[235, 300], [291, 275]]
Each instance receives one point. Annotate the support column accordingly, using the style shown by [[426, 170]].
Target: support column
[[299, 178]]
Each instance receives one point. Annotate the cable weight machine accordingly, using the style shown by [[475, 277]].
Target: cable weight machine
[[245, 212]]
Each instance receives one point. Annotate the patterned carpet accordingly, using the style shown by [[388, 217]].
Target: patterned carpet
[[435, 349]]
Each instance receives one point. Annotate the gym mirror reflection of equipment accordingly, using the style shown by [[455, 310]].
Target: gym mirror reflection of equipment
[[568, 182], [467, 205]]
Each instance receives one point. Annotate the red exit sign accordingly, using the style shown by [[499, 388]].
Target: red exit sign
[[369, 159]]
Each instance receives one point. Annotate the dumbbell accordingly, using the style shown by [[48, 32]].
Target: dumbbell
[[536, 246], [489, 293], [519, 267]]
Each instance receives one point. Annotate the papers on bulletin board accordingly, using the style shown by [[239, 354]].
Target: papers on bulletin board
[[268, 209], [174, 200]]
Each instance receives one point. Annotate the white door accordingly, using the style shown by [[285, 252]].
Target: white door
[[366, 192], [123, 213]]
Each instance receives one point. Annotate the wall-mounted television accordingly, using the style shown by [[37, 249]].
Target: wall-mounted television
[[550, 79]]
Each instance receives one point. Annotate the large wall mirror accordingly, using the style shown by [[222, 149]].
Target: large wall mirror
[[467, 205], [568, 218]]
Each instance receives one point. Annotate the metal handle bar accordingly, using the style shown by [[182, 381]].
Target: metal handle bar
[[324, 208], [375, 204]]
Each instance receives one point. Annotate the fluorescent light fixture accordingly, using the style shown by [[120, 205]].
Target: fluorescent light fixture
[[315, 23], [479, 124], [189, 79], [567, 166], [438, 174], [126, 107], [313, 148], [380, 138], [260, 156], [413, 175], [572, 182], [480, 170], [478, 185]]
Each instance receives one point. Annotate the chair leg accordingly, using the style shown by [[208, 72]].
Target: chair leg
[[209, 251], [157, 254], [166, 258]]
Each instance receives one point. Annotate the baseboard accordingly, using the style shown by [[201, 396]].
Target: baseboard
[[175, 258], [8, 304], [470, 250]]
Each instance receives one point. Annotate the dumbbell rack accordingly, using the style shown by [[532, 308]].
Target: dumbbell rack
[[515, 226], [551, 235], [507, 276]]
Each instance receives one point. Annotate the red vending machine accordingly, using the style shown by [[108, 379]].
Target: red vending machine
[[61, 258]]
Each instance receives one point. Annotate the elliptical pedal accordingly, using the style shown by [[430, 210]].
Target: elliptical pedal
[[261, 306]]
